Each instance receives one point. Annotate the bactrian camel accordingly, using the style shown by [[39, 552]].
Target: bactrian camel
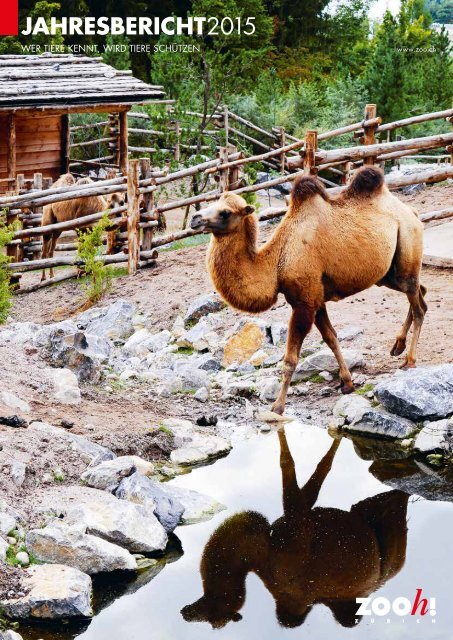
[[310, 555], [72, 209], [325, 249]]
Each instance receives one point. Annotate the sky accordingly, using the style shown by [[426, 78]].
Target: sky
[[380, 7]]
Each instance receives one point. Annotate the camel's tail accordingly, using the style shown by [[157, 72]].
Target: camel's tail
[[366, 182], [306, 187]]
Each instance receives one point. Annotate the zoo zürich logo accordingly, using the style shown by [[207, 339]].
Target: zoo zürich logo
[[9, 19], [401, 606]]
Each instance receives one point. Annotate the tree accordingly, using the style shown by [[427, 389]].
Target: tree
[[42, 8], [440, 10]]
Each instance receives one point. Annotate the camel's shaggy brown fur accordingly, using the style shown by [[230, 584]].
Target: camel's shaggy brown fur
[[325, 249], [72, 209]]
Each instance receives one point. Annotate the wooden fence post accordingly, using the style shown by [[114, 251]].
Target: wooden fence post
[[11, 146], [133, 216], [65, 136], [148, 204], [224, 181], [369, 132], [226, 125], [123, 143], [311, 146], [177, 141], [282, 143]]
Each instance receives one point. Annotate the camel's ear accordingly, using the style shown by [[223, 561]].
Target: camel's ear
[[249, 209]]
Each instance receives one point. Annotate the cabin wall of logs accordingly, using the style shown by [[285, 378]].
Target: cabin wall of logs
[[136, 228]]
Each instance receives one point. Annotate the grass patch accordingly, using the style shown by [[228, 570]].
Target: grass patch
[[316, 378], [187, 351], [166, 430], [192, 241], [365, 389]]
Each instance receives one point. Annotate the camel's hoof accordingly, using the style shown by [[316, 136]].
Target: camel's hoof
[[408, 365], [346, 387], [398, 348]]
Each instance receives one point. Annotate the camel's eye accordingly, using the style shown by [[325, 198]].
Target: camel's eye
[[225, 214]]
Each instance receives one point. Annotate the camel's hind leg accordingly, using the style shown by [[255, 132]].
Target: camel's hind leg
[[418, 309], [400, 342], [46, 249], [52, 252], [299, 325], [330, 338]]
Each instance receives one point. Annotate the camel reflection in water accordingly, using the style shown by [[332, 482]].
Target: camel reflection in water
[[308, 556]]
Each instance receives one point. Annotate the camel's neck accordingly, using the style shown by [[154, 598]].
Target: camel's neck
[[245, 276]]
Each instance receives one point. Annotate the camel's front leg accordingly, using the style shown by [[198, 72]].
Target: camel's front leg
[[330, 338], [299, 325]]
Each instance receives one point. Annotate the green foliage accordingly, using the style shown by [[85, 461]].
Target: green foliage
[[121, 58], [89, 250], [440, 10], [42, 8], [6, 235]]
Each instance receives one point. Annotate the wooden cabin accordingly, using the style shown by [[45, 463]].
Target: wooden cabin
[[37, 96]]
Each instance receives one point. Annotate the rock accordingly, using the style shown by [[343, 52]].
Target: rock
[[243, 344], [279, 333], [419, 394], [89, 450], [435, 437], [258, 358], [71, 545], [269, 388], [66, 387], [188, 456], [10, 635], [141, 490], [18, 471], [14, 421], [351, 407], [158, 341], [7, 523], [324, 360], [202, 394], [207, 362], [3, 549], [128, 374], [270, 416], [190, 378], [81, 352], [382, 424], [199, 449], [178, 328], [114, 322], [240, 388], [55, 591], [202, 306], [107, 475], [325, 375], [349, 333], [136, 344], [131, 526], [23, 558], [201, 337], [198, 507], [14, 402]]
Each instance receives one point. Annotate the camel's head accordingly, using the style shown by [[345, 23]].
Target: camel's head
[[223, 217], [116, 200]]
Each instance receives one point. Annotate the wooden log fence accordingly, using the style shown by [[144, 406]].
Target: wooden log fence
[[134, 225]]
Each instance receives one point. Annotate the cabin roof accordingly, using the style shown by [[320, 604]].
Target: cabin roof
[[47, 80]]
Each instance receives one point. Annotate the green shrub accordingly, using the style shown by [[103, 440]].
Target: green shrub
[[89, 250], [6, 235]]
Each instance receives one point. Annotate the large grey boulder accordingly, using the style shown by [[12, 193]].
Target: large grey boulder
[[81, 352], [7, 523], [86, 448], [199, 449], [202, 306], [419, 394], [351, 407], [55, 591], [324, 360], [435, 436], [132, 526], [113, 322], [61, 544], [380, 423], [198, 507], [201, 337], [107, 475], [141, 490]]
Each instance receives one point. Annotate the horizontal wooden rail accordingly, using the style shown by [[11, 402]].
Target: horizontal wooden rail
[[90, 143]]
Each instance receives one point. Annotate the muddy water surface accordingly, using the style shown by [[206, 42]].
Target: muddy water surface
[[311, 523]]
